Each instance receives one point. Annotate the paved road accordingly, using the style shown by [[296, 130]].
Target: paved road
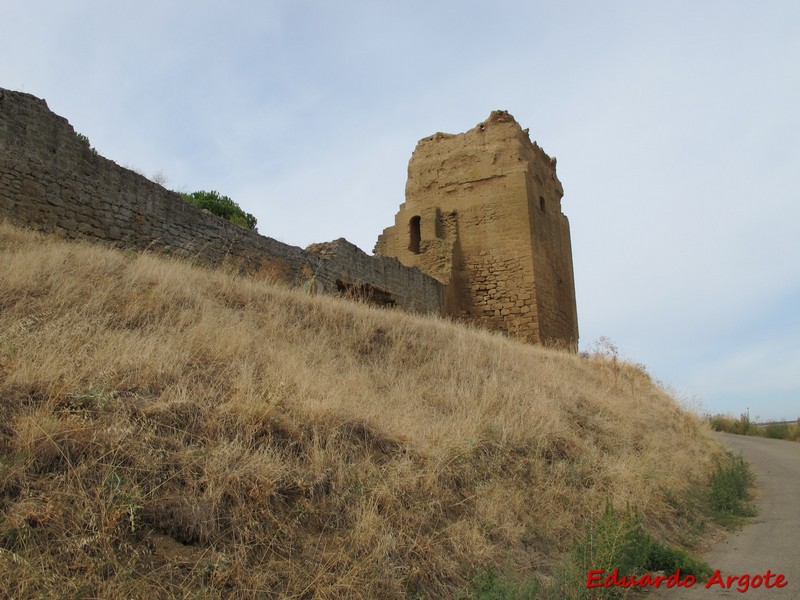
[[772, 540]]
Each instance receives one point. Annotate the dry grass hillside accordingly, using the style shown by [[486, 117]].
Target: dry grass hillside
[[167, 431]]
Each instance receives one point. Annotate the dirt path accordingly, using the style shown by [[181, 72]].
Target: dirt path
[[772, 540]]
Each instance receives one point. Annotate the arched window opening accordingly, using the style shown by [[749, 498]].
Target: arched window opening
[[414, 234], [541, 204]]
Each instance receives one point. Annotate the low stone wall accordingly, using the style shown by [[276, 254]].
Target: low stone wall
[[51, 180], [381, 280]]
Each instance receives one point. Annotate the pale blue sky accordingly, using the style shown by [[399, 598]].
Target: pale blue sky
[[676, 126]]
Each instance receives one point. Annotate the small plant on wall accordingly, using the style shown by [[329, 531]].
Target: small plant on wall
[[86, 141], [222, 206]]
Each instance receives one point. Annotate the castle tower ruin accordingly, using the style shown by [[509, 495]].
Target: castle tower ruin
[[483, 216]]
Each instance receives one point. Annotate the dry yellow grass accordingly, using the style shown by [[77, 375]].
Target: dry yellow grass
[[171, 431]]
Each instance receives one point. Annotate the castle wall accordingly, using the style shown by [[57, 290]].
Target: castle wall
[[51, 180], [552, 258], [488, 205], [482, 222], [381, 280]]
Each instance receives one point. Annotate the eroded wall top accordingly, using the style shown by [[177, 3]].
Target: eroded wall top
[[51, 180], [444, 163], [483, 215]]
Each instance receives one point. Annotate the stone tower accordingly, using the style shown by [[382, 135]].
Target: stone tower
[[483, 216]]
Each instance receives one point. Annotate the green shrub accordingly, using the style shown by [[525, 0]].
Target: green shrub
[[619, 541], [741, 426], [778, 431], [615, 541], [222, 206], [85, 140], [794, 431], [729, 491], [668, 559], [490, 585]]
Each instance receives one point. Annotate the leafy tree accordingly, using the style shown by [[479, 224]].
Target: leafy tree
[[222, 206]]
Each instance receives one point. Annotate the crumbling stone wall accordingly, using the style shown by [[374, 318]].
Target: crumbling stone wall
[[380, 280], [482, 222], [51, 180], [483, 216]]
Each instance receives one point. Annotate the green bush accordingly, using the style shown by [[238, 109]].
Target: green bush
[[744, 426], [222, 206], [614, 541], [778, 431], [85, 140], [619, 541], [729, 490], [490, 585], [794, 431], [741, 426]]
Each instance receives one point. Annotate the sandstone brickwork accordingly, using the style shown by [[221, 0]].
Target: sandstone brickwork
[[483, 216], [480, 237], [51, 180]]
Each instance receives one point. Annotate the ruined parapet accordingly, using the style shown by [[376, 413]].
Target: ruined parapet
[[379, 280], [483, 216], [482, 220], [53, 181]]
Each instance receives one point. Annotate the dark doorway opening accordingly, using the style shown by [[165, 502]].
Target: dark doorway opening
[[414, 234]]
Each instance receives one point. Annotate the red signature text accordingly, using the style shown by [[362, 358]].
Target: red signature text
[[741, 583], [746, 581]]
